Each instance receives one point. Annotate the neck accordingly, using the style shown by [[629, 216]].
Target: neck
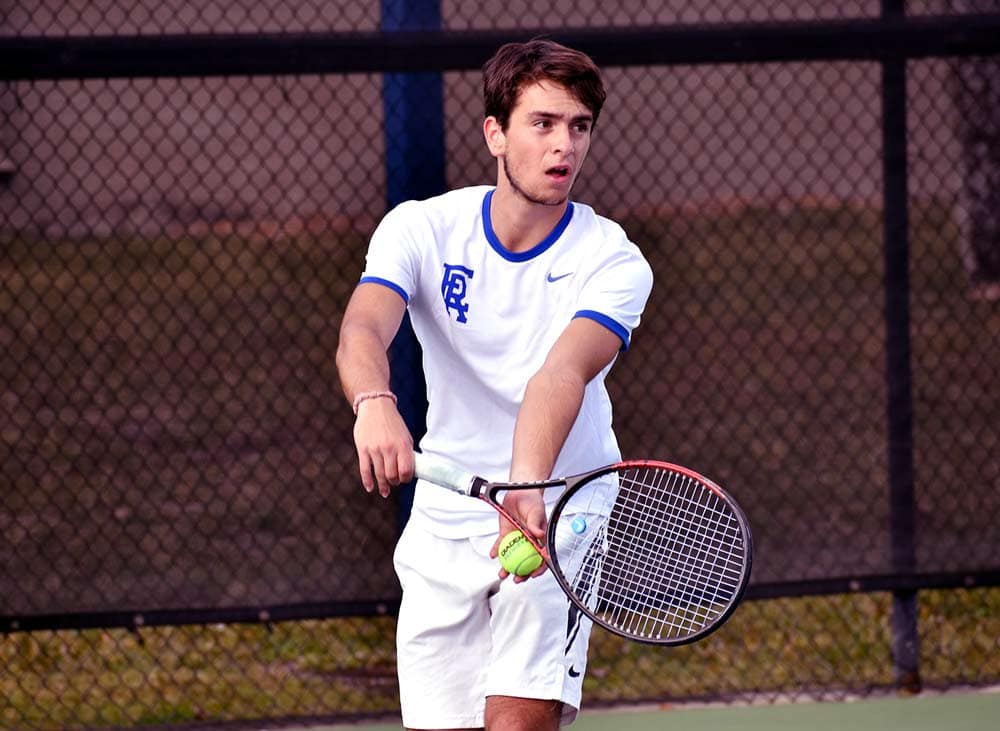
[[518, 223]]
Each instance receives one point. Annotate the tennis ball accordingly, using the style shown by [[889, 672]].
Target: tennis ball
[[517, 555]]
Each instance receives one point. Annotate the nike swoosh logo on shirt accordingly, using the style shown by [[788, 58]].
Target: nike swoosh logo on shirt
[[550, 278]]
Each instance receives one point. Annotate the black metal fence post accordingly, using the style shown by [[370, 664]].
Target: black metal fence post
[[415, 161], [905, 638]]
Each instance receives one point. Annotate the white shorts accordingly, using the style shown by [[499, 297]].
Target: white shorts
[[463, 635]]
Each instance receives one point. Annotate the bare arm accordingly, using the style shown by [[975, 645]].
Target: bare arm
[[551, 403], [554, 394], [383, 442]]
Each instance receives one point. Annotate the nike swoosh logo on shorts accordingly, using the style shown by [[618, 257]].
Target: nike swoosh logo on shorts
[[573, 672], [550, 278]]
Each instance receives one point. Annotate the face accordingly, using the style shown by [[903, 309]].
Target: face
[[545, 143]]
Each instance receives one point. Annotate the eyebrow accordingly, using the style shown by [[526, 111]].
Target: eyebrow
[[554, 115]]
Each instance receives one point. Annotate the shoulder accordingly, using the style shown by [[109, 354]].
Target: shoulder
[[422, 220], [454, 203], [614, 261], [606, 237], [597, 228]]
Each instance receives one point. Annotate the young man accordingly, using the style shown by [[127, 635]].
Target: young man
[[521, 301]]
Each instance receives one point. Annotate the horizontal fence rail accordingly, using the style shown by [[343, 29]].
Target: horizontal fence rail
[[410, 51]]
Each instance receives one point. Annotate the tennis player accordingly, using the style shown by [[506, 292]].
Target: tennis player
[[521, 300]]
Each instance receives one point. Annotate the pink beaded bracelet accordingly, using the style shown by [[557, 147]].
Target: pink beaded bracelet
[[372, 394]]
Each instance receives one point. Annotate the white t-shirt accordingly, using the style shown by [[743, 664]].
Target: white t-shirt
[[486, 318]]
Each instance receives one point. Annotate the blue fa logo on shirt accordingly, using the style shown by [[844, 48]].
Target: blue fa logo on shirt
[[453, 289]]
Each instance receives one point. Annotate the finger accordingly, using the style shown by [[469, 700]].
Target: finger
[[495, 553], [538, 525], [378, 468], [540, 570], [398, 467], [365, 468], [537, 572], [405, 465], [504, 527], [390, 466]]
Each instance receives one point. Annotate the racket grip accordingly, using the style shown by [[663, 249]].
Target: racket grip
[[443, 474]]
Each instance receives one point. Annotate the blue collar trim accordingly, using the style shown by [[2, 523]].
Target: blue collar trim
[[534, 251]]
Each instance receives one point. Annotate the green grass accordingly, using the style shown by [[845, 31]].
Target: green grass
[[216, 672], [337, 668], [826, 645]]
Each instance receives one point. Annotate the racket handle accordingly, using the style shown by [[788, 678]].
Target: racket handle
[[444, 474]]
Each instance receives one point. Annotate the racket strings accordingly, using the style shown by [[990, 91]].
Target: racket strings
[[697, 536], [671, 574], [671, 556]]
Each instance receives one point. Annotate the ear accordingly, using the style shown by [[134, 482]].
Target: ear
[[496, 140]]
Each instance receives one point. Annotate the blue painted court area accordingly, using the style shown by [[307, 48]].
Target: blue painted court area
[[957, 711]]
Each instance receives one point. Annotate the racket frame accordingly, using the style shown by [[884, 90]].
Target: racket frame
[[575, 483], [451, 477]]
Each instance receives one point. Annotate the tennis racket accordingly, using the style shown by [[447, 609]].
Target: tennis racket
[[650, 551]]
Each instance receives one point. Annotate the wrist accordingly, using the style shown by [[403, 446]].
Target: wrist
[[368, 395]]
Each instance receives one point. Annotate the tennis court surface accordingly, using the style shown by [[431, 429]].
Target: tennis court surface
[[955, 711]]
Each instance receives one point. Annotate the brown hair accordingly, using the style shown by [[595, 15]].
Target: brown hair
[[515, 65]]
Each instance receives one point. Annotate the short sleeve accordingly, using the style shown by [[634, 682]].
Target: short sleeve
[[617, 288], [393, 258]]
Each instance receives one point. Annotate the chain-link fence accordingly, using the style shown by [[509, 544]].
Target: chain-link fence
[[185, 538]]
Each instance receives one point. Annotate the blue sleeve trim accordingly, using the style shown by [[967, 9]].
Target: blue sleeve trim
[[386, 283], [610, 324]]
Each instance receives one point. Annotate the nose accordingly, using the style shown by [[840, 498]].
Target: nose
[[562, 139]]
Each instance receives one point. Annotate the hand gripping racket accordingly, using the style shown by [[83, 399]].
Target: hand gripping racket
[[650, 551]]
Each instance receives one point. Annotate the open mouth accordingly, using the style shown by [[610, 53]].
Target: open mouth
[[559, 172]]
